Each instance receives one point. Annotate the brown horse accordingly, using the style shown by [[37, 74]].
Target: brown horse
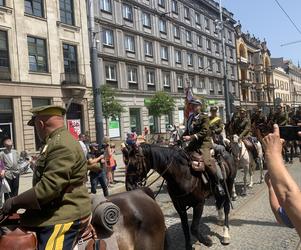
[[140, 226], [185, 187]]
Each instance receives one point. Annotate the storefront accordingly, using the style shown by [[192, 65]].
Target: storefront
[[74, 119], [6, 120]]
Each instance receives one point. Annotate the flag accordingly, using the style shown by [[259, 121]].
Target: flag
[[189, 97]]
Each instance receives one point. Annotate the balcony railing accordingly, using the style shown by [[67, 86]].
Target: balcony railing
[[245, 83], [73, 79], [5, 73]]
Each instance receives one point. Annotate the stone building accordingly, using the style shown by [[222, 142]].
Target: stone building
[[162, 45], [44, 59], [254, 71], [294, 73], [282, 89]]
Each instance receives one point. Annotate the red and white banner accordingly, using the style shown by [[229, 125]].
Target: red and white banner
[[74, 127]]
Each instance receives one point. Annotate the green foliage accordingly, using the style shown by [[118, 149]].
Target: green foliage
[[110, 106], [161, 104]]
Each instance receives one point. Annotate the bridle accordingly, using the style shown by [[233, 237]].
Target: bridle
[[241, 153]]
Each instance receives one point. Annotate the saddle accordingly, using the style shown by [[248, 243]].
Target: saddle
[[251, 147], [197, 161]]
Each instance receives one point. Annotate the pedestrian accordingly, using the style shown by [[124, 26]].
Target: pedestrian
[[81, 140], [97, 173], [113, 149], [10, 158], [109, 158], [58, 206], [282, 186]]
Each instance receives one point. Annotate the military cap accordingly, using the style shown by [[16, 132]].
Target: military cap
[[242, 110], [279, 106], [214, 108], [195, 102], [48, 110]]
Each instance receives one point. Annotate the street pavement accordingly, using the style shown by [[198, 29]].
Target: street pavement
[[252, 224]]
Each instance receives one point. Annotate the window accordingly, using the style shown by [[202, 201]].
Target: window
[[219, 88], [186, 13], [164, 53], [37, 54], [200, 41], [4, 55], [111, 72], [211, 86], [218, 67], [162, 26], [232, 70], [166, 79], [70, 59], [209, 62], [34, 7], [216, 44], [127, 11], [201, 62], [106, 6], [132, 75], [176, 31], [2, 2], [150, 77], [201, 84], [161, 3], [129, 43], [230, 36], [178, 56], [146, 18], [180, 81], [188, 36], [67, 11], [231, 53], [197, 18], [174, 7], [108, 37], [208, 44], [191, 81], [148, 48], [207, 24], [189, 59]]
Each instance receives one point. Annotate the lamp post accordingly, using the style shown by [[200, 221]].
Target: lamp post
[[95, 77], [220, 27]]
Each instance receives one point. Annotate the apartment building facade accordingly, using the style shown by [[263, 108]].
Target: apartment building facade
[[282, 91], [44, 59], [254, 71], [163, 45]]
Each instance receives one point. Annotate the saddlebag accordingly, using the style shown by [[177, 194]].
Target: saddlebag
[[18, 240], [197, 161]]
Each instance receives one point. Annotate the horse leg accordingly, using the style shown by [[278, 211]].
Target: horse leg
[[195, 225], [226, 235], [234, 194], [246, 168], [261, 170], [184, 222], [220, 210], [251, 166]]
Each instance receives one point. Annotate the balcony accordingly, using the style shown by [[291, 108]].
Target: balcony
[[258, 67], [260, 86], [268, 71], [243, 62], [5, 74], [245, 83], [75, 83]]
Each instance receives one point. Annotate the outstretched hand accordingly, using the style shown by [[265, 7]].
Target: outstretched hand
[[272, 143]]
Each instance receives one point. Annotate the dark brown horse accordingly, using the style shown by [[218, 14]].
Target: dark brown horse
[[186, 187], [140, 226]]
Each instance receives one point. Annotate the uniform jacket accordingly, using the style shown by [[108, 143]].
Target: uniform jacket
[[198, 128], [242, 127], [10, 166], [215, 125], [258, 119], [58, 181], [280, 119]]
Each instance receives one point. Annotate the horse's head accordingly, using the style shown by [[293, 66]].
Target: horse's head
[[236, 145], [136, 169]]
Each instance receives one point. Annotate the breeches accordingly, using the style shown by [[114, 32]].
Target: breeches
[[210, 167]]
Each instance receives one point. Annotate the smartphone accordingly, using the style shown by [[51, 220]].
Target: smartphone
[[290, 133]]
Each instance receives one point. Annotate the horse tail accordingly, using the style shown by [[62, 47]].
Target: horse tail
[[148, 191]]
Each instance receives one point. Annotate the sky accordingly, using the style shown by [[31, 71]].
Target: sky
[[265, 19]]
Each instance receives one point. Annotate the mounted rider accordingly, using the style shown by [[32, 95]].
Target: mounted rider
[[215, 126], [257, 119], [197, 134], [242, 128], [279, 117]]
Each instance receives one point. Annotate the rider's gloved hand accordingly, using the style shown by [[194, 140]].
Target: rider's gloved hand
[[26, 200]]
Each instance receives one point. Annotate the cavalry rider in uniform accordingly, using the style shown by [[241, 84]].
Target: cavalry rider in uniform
[[197, 133], [280, 116], [215, 126], [258, 117], [58, 205]]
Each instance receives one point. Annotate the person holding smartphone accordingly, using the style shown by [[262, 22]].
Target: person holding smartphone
[[285, 195]]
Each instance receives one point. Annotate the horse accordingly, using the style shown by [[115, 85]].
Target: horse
[[245, 160], [186, 187], [141, 225]]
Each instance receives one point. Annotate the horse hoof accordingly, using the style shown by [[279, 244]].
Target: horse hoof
[[220, 222], [250, 186], [206, 241], [234, 198], [225, 241], [244, 193]]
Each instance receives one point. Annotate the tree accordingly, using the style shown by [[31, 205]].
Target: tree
[[110, 106], [160, 104]]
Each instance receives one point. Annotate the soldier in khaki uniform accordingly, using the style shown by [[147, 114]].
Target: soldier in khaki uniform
[[279, 117], [58, 205], [242, 125], [197, 133], [215, 125]]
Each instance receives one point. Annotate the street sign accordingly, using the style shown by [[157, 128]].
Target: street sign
[[147, 101]]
